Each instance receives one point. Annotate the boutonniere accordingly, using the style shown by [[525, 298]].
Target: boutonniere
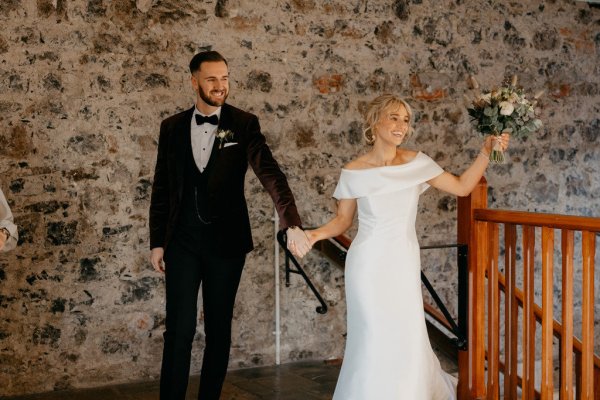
[[224, 136]]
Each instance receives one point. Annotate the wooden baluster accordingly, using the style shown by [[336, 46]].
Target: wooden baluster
[[578, 360], [511, 323], [547, 386], [470, 384], [596, 383], [566, 339], [588, 240], [493, 355], [528, 314], [477, 325]]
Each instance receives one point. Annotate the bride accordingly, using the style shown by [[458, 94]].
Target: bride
[[388, 355]]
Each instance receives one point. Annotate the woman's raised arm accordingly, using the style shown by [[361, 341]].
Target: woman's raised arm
[[464, 184]]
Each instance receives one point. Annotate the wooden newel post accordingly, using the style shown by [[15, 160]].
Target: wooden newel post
[[471, 363]]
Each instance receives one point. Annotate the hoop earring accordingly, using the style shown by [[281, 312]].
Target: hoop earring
[[369, 137]]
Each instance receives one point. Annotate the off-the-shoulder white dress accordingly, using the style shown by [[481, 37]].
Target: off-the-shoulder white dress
[[388, 355]]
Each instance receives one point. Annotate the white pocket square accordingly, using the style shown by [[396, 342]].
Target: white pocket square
[[230, 144]]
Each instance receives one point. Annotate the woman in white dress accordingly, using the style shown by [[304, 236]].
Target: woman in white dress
[[388, 355]]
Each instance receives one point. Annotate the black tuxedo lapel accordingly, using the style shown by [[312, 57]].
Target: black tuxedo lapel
[[225, 120], [224, 125], [183, 137], [214, 153]]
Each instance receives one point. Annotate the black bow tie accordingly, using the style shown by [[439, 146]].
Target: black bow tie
[[213, 119]]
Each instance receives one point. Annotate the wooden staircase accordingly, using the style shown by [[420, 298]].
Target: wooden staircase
[[490, 276]]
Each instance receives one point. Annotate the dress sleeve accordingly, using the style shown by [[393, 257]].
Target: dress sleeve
[[343, 189], [431, 169]]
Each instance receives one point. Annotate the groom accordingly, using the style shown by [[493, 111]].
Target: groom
[[199, 224]]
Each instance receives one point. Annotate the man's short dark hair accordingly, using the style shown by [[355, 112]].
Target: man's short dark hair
[[205, 56]]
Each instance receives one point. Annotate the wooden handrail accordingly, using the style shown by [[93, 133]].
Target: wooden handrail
[[538, 219], [478, 379], [438, 316], [537, 310], [343, 240], [587, 362]]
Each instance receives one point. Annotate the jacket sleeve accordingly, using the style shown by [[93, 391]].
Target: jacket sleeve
[[270, 175], [159, 200], [7, 222]]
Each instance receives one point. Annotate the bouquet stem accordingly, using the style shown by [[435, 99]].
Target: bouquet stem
[[497, 154]]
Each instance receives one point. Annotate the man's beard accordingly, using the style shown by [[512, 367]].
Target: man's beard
[[211, 102]]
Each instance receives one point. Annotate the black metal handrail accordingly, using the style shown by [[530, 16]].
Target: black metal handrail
[[281, 238], [459, 330]]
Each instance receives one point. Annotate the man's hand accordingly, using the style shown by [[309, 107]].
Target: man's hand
[[297, 242], [156, 258]]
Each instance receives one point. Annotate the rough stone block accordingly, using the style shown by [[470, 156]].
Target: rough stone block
[[329, 83], [86, 83], [61, 233]]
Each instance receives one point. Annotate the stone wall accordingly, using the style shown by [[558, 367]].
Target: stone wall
[[85, 84]]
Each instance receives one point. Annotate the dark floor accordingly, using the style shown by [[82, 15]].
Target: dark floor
[[311, 380]]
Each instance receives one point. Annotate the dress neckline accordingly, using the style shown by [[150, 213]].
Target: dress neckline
[[384, 166]]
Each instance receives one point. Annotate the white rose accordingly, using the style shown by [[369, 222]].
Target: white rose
[[506, 108]]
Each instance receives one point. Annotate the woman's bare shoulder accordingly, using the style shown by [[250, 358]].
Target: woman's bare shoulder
[[406, 155], [358, 163]]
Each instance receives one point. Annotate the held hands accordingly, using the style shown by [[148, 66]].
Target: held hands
[[298, 242], [156, 258]]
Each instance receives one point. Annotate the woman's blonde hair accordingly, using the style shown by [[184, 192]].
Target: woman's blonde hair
[[377, 106]]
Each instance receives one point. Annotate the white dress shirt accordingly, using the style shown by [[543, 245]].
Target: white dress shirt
[[6, 221], [203, 138]]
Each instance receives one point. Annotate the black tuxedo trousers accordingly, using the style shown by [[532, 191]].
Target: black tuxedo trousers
[[189, 266], [192, 263]]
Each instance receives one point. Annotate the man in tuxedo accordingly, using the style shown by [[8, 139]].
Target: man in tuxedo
[[199, 224]]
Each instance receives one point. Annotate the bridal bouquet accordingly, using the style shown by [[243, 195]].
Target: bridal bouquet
[[501, 110]]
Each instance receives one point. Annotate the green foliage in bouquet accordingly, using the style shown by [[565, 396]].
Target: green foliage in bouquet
[[505, 109]]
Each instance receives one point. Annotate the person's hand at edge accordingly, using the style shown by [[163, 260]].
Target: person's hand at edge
[[156, 258], [4, 235]]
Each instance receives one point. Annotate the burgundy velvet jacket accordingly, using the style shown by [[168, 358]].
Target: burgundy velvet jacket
[[225, 182]]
